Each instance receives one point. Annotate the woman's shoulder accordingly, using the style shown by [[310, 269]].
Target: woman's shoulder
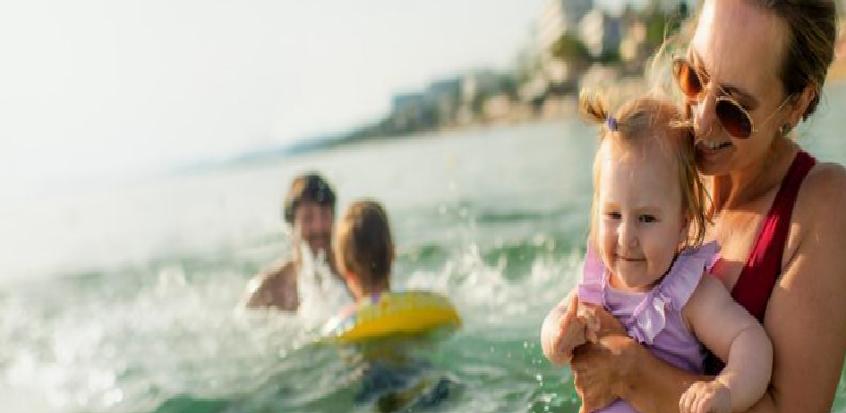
[[822, 192], [820, 202], [823, 179]]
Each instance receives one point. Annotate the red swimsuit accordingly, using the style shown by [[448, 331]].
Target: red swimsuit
[[762, 269]]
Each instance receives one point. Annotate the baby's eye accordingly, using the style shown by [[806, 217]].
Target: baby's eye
[[613, 215], [647, 218]]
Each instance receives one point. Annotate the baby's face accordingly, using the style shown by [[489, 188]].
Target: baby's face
[[639, 214]]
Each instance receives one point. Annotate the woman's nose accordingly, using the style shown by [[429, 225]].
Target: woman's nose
[[704, 114]]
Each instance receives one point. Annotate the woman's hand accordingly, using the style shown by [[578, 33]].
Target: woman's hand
[[706, 397], [600, 368]]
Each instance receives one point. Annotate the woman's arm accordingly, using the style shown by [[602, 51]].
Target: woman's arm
[[806, 314]]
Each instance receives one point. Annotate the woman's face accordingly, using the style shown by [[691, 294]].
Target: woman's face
[[738, 48]]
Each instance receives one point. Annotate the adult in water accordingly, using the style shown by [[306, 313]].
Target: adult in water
[[752, 71], [309, 211]]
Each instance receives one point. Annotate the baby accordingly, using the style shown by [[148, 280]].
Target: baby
[[645, 262]]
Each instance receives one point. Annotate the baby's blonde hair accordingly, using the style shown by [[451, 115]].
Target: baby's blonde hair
[[651, 120]]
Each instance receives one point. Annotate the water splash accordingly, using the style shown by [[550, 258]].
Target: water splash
[[322, 293]]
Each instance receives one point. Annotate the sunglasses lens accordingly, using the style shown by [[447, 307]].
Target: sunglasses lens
[[688, 80], [734, 120]]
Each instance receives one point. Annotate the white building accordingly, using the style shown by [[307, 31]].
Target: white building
[[559, 17], [600, 33]]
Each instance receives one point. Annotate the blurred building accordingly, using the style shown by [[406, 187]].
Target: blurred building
[[444, 97], [559, 17], [633, 42], [600, 33], [408, 111], [486, 95]]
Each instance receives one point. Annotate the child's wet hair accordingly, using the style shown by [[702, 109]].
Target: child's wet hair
[[651, 120], [364, 244]]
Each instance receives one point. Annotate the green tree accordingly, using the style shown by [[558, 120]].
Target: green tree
[[570, 48]]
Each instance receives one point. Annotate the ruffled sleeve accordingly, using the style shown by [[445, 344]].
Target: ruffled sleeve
[[590, 288], [687, 271], [649, 317]]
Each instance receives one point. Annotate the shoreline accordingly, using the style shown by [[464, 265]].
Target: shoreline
[[565, 110]]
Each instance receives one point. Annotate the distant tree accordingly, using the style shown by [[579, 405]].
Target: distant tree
[[509, 84], [611, 57], [570, 48], [660, 25], [656, 26]]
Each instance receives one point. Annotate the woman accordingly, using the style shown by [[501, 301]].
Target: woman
[[754, 69]]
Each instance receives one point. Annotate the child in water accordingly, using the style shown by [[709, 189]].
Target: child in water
[[364, 249], [645, 262], [364, 254], [392, 376]]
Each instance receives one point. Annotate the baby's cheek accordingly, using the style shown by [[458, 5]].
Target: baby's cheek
[[664, 264], [660, 259]]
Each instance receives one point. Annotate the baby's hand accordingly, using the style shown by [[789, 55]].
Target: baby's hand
[[586, 313], [566, 332], [706, 397]]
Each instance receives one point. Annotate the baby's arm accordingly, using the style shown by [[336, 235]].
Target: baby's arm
[[735, 336], [562, 331]]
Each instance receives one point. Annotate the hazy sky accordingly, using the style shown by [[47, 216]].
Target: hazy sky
[[92, 87]]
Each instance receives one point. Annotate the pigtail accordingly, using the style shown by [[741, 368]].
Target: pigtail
[[592, 107]]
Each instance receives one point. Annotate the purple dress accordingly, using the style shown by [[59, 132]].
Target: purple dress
[[653, 318]]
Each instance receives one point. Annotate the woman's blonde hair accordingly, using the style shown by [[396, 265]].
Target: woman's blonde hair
[[807, 55], [651, 120]]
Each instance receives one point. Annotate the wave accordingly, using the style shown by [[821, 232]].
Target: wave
[[155, 339]]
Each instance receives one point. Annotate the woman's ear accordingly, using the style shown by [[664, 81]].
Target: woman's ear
[[800, 106]]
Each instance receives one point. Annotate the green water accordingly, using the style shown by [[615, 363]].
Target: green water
[[124, 300]]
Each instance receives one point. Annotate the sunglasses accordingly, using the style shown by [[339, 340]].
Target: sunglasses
[[734, 118]]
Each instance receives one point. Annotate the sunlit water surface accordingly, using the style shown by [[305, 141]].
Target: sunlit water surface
[[125, 299]]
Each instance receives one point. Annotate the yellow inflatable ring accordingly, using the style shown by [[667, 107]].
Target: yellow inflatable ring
[[386, 314]]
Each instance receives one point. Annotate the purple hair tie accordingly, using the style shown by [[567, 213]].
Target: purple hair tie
[[612, 123]]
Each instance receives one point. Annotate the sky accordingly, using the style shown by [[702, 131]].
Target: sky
[[104, 87]]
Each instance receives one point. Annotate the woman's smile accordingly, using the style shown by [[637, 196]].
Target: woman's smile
[[713, 151]]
